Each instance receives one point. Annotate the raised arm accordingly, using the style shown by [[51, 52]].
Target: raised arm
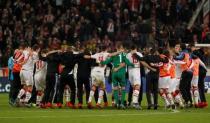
[[146, 65], [53, 51], [179, 62], [202, 64], [115, 53], [139, 58], [180, 57], [107, 61], [127, 62]]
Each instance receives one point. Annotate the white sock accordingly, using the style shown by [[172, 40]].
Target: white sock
[[91, 96], [67, 95], [135, 96], [100, 98], [192, 96], [196, 96], [22, 100], [165, 99], [39, 98], [170, 98], [28, 97], [21, 93], [178, 99]]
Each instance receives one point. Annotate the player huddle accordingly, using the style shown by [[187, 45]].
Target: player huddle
[[48, 77]]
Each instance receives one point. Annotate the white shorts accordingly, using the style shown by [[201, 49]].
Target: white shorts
[[194, 81], [98, 78], [172, 85], [164, 82], [40, 80], [26, 77], [134, 75]]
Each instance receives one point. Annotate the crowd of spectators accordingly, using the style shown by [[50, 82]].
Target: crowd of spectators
[[53, 23]]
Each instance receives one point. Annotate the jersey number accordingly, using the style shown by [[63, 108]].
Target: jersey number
[[101, 58], [134, 60]]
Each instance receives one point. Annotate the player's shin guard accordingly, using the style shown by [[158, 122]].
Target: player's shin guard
[[91, 96], [21, 93], [135, 96], [100, 97], [67, 94]]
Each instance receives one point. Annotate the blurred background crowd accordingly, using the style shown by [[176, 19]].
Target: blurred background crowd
[[56, 23]]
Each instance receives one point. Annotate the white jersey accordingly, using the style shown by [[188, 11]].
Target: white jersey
[[40, 75], [102, 56], [40, 65], [134, 74], [18, 56], [97, 73], [29, 60], [178, 69], [134, 60]]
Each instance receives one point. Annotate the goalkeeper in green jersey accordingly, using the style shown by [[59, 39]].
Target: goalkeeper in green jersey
[[118, 75]]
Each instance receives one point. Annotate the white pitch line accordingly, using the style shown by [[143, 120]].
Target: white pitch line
[[76, 116], [97, 115], [71, 110]]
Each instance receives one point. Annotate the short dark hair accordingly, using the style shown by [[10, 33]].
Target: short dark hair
[[22, 46], [160, 50], [119, 45], [35, 47], [183, 46], [133, 47], [152, 51], [166, 53]]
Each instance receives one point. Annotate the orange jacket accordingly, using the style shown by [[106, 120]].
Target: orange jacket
[[187, 60]]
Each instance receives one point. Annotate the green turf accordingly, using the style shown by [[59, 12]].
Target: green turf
[[10, 114]]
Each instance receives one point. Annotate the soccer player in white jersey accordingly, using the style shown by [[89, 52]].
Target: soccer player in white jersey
[[174, 84], [194, 67], [134, 74], [40, 79], [175, 72], [98, 77], [26, 73]]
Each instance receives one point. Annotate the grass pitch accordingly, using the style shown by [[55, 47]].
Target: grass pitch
[[10, 114]]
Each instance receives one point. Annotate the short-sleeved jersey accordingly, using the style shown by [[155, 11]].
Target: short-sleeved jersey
[[178, 68], [100, 57], [196, 63], [18, 59], [29, 60]]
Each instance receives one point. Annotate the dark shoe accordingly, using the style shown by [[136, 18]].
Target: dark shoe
[[173, 107]]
